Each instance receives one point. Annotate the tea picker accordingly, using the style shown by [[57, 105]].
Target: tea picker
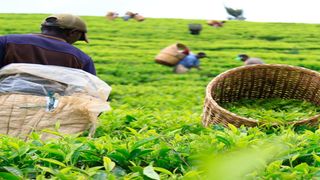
[[188, 62], [249, 60]]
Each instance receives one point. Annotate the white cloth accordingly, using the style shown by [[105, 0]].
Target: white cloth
[[180, 69]]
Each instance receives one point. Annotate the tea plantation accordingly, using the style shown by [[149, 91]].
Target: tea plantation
[[154, 129]]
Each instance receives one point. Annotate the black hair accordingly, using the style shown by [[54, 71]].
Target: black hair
[[243, 57], [55, 29], [201, 55]]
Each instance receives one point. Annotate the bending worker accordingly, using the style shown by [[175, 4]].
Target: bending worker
[[53, 46], [249, 60], [188, 62]]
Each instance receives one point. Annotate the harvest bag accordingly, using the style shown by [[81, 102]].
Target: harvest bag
[[138, 17], [171, 55], [35, 97]]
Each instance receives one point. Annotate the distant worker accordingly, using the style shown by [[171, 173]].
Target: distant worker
[[216, 23], [52, 47], [248, 60], [128, 15], [188, 62], [112, 15]]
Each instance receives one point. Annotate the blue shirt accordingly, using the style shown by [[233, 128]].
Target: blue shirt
[[43, 49], [190, 61]]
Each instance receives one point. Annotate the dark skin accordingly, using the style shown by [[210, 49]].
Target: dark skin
[[70, 36]]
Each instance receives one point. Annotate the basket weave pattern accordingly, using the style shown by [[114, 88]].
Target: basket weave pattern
[[259, 82]]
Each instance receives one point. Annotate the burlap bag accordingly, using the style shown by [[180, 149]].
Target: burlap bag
[[171, 55], [21, 114], [138, 17]]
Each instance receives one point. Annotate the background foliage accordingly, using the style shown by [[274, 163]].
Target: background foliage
[[154, 130]]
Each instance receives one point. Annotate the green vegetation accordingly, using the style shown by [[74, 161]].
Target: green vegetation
[[154, 129], [273, 110]]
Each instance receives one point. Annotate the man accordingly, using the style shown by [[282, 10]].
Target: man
[[52, 47], [248, 60], [129, 15], [188, 62]]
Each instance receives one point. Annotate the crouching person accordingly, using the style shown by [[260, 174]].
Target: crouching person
[[249, 60], [188, 62]]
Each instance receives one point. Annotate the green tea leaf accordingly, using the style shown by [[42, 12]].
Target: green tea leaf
[[143, 142], [53, 161], [108, 164], [46, 169], [13, 170], [162, 170], [149, 172], [9, 176], [233, 128], [124, 152]]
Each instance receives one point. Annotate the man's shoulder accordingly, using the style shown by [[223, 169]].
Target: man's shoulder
[[45, 42], [13, 36], [24, 38], [17, 36], [254, 61], [191, 57]]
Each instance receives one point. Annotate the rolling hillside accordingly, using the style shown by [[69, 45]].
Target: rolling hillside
[[154, 128]]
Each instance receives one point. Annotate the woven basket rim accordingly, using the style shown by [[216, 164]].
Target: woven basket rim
[[248, 67]]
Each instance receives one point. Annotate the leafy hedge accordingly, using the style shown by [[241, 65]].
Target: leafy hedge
[[154, 129]]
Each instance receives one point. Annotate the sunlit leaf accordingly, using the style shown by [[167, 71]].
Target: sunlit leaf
[[162, 170], [149, 172], [53, 161], [108, 164], [9, 176], [13, 170]]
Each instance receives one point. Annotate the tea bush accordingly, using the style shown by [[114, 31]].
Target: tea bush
[[154, 129]]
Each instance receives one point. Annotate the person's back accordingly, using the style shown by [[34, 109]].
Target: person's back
[[253, 60], [188, 62], [52, 47], [42, 49], [249, 60]]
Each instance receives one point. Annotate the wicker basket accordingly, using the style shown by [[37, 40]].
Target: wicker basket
[[259, 82]]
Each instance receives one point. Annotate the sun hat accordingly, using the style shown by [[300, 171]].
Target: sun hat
[[67, 21]]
